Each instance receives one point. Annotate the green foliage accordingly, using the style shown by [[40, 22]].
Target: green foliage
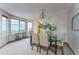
[[50, 27]]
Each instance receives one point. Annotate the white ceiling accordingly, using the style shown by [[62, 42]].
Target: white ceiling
[[33, 10]]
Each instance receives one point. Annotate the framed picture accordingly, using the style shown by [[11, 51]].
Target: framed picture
[[75, 22]]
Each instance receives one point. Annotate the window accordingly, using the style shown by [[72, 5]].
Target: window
[[29, 27], [22, 26], [4, 26], [14, 26], [0, 32]]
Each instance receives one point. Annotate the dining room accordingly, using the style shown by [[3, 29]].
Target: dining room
[[43, 28]]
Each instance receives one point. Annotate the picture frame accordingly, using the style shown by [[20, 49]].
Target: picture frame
[[75, 22]]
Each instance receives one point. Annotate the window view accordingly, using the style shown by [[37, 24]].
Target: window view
[[22, 26], [4, 26], [0, 33], [14, 26], [29, 27]]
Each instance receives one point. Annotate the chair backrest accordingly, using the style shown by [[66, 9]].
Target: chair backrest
[[65, 37], [35, 38], [43, 38], [61, 37]]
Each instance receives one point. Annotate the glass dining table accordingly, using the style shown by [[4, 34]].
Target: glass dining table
[[53, 39]]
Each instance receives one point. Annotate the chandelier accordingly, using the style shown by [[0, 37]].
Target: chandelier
[[43, 15]]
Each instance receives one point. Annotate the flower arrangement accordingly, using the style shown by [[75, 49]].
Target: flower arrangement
[[48, 26]]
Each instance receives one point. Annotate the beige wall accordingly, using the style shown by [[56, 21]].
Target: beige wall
[[73, 35]]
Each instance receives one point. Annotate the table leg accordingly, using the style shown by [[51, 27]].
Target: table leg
[[55, 47]]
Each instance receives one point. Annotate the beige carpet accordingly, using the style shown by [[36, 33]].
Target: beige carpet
[[22, 47]]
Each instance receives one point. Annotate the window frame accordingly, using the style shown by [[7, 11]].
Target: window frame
[[12, 24], [6, 26], [20, 26]]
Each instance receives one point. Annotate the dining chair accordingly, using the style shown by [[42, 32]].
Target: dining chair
[[34, 41], [60, 42], [44, 43]]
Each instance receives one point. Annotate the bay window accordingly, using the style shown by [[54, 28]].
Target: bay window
[[29, 27], [22, 26], [4, 27], [14, 26]]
